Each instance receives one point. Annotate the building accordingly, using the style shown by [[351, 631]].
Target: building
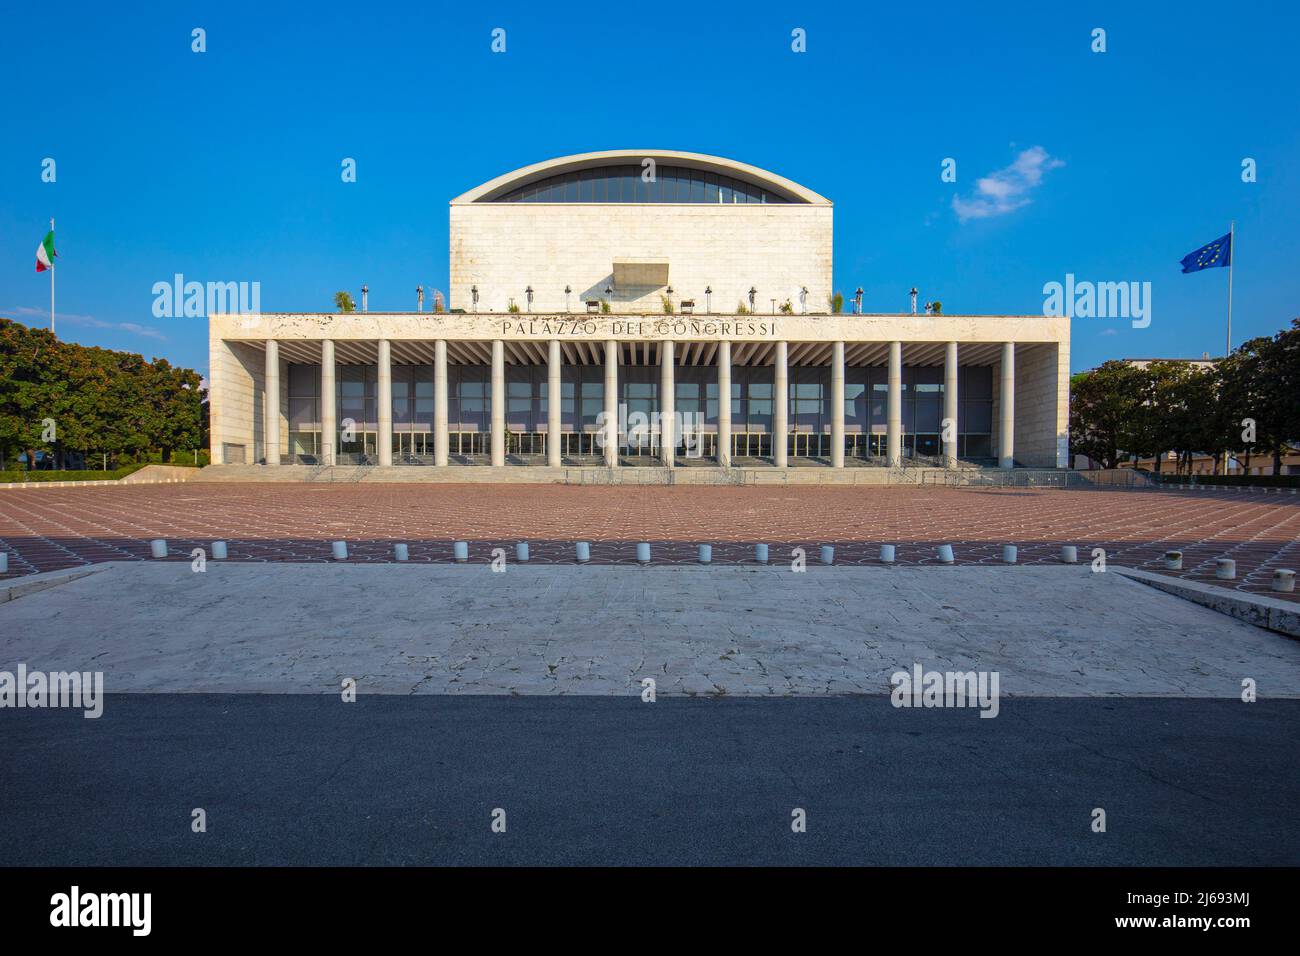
[[1206, 466], [640, 286]]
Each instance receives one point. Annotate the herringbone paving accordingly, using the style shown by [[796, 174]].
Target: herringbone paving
[[54, 528]]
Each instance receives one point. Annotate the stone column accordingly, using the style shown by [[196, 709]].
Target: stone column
[[724, 404], [498, 403], [271, 421], [385, 402], [950, 404], [837, 405], [441, 439], [781, 405], [554, 403], [1007, 408], [329, 428], [894, 418], [667, 403], [611, 403]]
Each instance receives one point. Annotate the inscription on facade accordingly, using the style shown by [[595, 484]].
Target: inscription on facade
[[640, 329]]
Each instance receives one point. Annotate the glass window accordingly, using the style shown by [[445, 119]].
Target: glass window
[[976, 417], [697, 186], [302, 411], [855, 403], [927, 416], [623, 184], [711, 187], [667, 184], [975, 381], [304, 379]]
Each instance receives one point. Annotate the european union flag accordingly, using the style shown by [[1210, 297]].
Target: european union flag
[[1216, 253]]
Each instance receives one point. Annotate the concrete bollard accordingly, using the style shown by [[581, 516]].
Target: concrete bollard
[[705, 554], [401, 552], [828, 554], [1173, 560], [945, 554], [521, 552], [1008, 554], [158, 547], [582, 552], [886, 554], [460, 551], [1225, 569], [340, 550], [760, 553], [4, 562], [643, 552], [219, 550], [1283, 580], [1069, 554]]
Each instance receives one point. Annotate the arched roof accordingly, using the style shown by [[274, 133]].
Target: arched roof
[[495, 189]]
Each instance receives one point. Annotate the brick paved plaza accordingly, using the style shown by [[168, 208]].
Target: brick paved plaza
[[47, 529]]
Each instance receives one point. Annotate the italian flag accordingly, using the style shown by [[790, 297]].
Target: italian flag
[[45, 253]]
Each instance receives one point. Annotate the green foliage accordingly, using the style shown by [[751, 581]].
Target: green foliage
[[786, 308], [1118, 409], [667, 304], [513, 307], [742, 309], [88, 475], [604, 306], [99, 400], [1103, 406], [343, 302], [837, 303]]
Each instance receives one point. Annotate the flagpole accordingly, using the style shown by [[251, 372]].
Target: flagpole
[[51, 284], [1232, 255]]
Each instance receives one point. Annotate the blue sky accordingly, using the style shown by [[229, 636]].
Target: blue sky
[[225, 165]]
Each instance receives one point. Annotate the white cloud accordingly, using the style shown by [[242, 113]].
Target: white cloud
[[141, 330], [72, 318], [1007, 189]]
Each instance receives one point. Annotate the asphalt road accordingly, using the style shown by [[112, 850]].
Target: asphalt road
[[293, 779]]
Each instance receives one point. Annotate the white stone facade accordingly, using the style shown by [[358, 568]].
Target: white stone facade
[[503, 248], [780, 247], [474, 386]]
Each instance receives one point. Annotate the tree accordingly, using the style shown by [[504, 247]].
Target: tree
[[1269, 369], [97, 399], [1174, 406], [343, 302], [1103, 405]]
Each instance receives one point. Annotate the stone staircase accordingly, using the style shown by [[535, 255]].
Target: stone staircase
[[969, 476]]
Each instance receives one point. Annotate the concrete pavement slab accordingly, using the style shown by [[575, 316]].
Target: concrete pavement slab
[[446, 629]]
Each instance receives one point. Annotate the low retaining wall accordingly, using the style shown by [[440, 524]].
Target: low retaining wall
[[148, 475], [1257, 609]]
